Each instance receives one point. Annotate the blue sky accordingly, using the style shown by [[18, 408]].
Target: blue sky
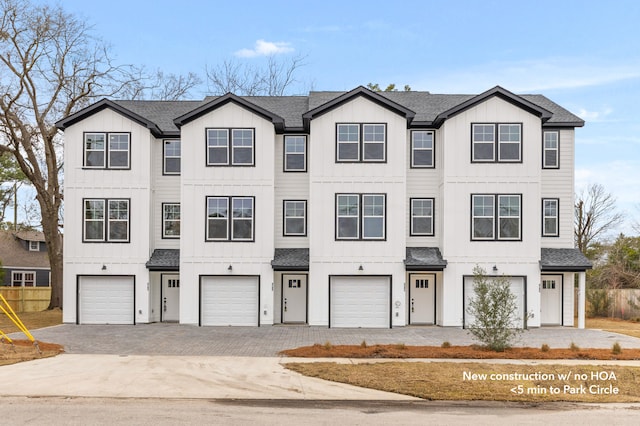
[[584, 55]]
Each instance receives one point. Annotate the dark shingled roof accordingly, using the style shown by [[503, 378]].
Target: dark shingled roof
[[164, 260], [160, 115], [563, 259], [290, 259], [424, 258]]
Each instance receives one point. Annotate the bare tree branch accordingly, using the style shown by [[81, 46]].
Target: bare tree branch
[[595, 215]]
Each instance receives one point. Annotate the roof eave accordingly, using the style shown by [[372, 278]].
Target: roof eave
[[425, 268], [289, 268], [564, 268], [163, 268], [565, 124]]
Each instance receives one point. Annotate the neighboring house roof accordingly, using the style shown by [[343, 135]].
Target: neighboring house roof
[[563, 259], [290, 259], [13, 253], [30, 235], [424, 259], [164, 260], [292, 113]]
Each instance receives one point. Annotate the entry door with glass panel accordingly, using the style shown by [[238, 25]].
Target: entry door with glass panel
[[170, 298], [551, 300], [294, 298], [422, 293]]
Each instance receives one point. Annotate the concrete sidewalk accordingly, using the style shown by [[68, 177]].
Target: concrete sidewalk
[[174, 377]]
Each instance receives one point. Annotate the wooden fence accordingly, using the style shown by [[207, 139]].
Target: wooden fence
[[27, 299], [623, 303]]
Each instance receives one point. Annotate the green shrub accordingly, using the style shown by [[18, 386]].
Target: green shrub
[[363, 344], [574, 347], [616, 349], [445, 345], [599, 303], [544, 347]]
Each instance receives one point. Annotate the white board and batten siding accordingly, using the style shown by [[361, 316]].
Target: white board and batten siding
[[106, 300], [165, 189]]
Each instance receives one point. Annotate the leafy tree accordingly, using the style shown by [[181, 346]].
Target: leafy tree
[[595, 215], [494, 310], [390, 88], [275, 79], [619, 265]]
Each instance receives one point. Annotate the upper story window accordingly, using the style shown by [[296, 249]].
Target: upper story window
[[505, 148], [107, 150], [551, 150], [422, 148], [422, 217], [295, 153], [496, 217], [106, 220], [171, 154], [550, 217], [360, 216], [361, 142], [230, 147], [34, 245], [295, 221], [171, 220], [225, 226]]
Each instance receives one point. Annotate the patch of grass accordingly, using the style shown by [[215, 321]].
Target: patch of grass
[[616, 349], [544, 347], [31, 320], [614, 325], [445, 345], [446, 381]]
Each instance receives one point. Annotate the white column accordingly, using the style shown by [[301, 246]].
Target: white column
[[581, 298]]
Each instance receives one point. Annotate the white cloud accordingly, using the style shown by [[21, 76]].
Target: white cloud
[[528, 76], [594, 115], [265, 48]]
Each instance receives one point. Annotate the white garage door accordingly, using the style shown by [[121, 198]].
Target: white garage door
[[106, 300], [229, 301], [360, 302], [517, 288]]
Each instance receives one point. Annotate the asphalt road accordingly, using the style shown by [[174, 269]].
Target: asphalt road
[[159, 412]]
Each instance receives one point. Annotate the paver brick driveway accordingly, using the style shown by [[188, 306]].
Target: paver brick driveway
[[266, 341]]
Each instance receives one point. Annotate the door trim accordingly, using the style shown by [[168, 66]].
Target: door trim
[[435, 295], [306, 297]]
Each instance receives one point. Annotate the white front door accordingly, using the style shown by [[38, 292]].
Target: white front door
[[422, 299], [551, 300], [170, 298], [294, 298]]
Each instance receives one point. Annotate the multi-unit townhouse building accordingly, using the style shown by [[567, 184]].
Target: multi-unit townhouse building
[[339, 209]]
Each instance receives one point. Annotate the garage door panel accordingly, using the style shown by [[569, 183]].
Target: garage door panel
[[229, 301], [517, 288], [106, 300], [360, 302]]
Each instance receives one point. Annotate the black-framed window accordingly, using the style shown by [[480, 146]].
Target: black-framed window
[[295, 153], [361, 142], [104, 150], [422, 217], [496, 217], [551, 150], [171, 157], [230, 147], [550, 210], [295, 218], [230, 219], [422, 149], [496, 142], [360, 216], [171, 220], [106, 220]]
